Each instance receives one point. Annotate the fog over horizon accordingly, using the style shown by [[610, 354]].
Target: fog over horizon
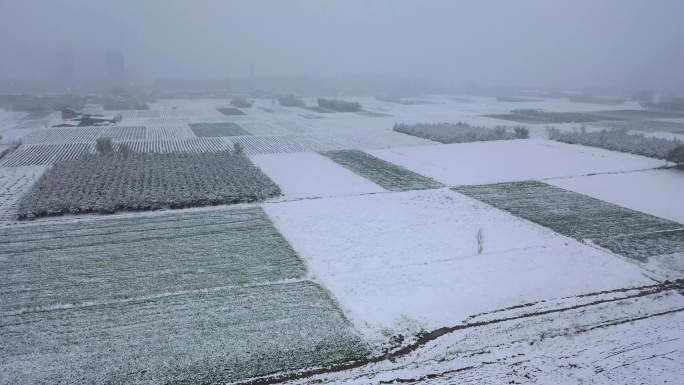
[[613, 43]]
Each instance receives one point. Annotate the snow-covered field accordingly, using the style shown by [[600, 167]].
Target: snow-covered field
[[353, 262], [406, 262], [310, 175], [511, 160], [197, 297], [651, 192]]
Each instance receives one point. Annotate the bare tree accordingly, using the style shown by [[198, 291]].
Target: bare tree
[[480, 241]]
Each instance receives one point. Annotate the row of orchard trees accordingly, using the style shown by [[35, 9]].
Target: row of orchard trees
[[339, 105]]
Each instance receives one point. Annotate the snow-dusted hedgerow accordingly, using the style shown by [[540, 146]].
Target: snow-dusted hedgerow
[[460, 132], [115, 182], [618, 140], [339, 105]]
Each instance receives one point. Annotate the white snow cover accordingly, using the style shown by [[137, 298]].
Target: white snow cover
[[409, 260], [308, 175], [510, 160], [655, 192]]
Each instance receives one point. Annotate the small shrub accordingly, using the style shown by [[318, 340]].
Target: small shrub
[[552, 132], [241, 102], [521, 132], [238, 149], [676, 155], [104, 146]]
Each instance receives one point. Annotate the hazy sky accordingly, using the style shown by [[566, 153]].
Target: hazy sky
[[570, 43]]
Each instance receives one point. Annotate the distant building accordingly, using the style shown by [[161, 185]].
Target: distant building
[[114, 61]]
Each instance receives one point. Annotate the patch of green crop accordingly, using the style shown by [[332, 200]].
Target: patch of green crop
[[199, 337], [217, 129], [643, 246], [117, 259], [578, 216], [383, 173]]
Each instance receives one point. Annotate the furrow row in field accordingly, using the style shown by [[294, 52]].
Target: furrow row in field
[[45, 154], [63, 135], [91, 134], [192, 145]]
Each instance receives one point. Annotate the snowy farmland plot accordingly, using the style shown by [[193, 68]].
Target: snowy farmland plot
[[582, 217], [533, 116], [116, 182], [45, 154], [309, 175], [406, 262], [345, 251], [217, 129], [230, 111], [115, 259], [385, 174], [651, 191], [195, 298], [510, 160]]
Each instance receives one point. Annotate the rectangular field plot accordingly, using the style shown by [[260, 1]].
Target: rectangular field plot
[[637, 114], [181, 146], [645, 126], [230, 111], [199, 337], [542, 117], [63, 135], [45, 154], [115, 259], [655, 192], [177, 132], [119, 133], [385, 174], [411, 257], [217, 129], [124, 133], [510, 160], [320, 110], [372, 114], [116, 182], [571, 214], [307, 175], [255, 145], [32, 124]]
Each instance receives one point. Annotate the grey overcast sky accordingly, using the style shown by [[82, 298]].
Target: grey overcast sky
[[571, 43]]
